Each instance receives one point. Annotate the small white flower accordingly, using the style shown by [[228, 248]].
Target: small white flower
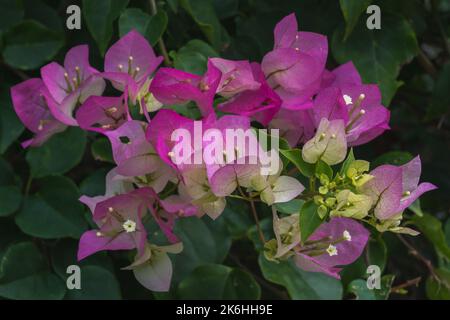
[[129, 226], [347, 235], [332, 250], [348, 100]]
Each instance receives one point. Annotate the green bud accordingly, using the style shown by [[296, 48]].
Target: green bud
[[322, 211], [330, 202], [323, 190]]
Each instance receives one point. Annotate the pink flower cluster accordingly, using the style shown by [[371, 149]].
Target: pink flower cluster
[[290, 90]]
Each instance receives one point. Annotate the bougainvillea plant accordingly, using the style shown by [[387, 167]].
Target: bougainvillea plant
[[170, 166]]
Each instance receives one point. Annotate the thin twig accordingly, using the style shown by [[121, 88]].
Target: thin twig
[[162, 46], [411, 282], [413, 251], [258, 225], [426, 64], [443, 33]]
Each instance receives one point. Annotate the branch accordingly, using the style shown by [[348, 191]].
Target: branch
[[411, 282], [162, 46], [413, 251]]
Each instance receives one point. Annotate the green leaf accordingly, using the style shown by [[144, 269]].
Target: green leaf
[[346, 164], [100, 16], [41, 12], [440, 100], [200, 246], [432, 229], [10, 200], [377, 253], [30, 44], [156, 27], [98, 280], [133, 18], [94, 184], [59, 154], [25, 275], [214, 282], [10, 126], [7, 176], [295, 156], [11, 13], [368, 51], [324, 168], [396, 158], [290, 207], [439, 289], [352, 10], [300, 284], [54, 211], [237, 218], [97, 283], [202, 11], [193, 57], [359, 289], [101, 150], [309, 220]]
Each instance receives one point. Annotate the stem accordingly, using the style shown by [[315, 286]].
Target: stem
[[426, 64], [162, 46], [28, 185], [411, 282], [258, 225], [413, 251]]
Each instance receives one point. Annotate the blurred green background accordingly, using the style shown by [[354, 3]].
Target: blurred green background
[[41, 218]]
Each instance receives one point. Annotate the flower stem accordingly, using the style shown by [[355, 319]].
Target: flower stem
[[161, 44]]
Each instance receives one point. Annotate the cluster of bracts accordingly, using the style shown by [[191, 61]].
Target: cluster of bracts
[[320, 111]]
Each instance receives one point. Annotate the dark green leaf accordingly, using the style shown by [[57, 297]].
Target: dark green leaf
[[11, 13], [368, 51], [193, 57], [10, 200], [290, 207], [300, 284], [10, 126], [352, 10], [324, 168], [432, 229], [362, 292], [219, 282], [133, 18], [30, 44], [25, 275], [53, 212], [440, 101], [101, 150], [439, 289], [396, 158], [200, 246], [156, 27], [202, 11], [59, 154], [377, 253], [100, 16], [309, 220]]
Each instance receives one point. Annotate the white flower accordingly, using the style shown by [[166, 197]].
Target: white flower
[[129, 226], [347, 99], [347, 235], [332, 250]]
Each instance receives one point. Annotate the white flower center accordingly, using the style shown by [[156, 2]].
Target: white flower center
[[347, 236], [129, 226], [348, 100], [332, 250]]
